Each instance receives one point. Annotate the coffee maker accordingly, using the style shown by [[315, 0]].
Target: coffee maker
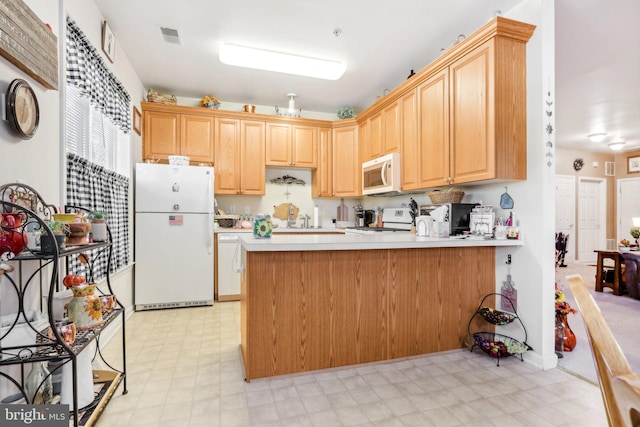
[[369, 217]]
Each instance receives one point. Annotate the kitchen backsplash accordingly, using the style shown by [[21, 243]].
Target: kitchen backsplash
[[300, 196]]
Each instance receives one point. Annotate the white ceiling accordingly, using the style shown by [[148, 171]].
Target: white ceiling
[[597, 72], [598, 57]]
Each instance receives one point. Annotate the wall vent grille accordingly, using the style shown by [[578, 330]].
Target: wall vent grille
[[609, 169], [170, 35]]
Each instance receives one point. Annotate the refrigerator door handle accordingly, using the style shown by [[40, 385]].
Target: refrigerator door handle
[[210, 235]]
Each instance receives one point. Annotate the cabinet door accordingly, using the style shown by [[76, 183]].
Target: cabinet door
[[363, 141], [278, 144], [434, 130], [321, 178], [409, 132], [227, 158], [346, 166], [196, 138], [374, 144], [391, 129], [305, 147], [252, 162], [472, 156], [161, 135]]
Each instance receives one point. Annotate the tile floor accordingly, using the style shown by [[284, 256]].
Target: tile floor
[[184, 369]]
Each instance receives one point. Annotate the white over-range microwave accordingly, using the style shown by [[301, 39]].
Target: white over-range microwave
[[382, 175]]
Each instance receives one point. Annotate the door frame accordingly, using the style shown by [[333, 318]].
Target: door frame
[[618, 201], [572, 248], [602, 234]]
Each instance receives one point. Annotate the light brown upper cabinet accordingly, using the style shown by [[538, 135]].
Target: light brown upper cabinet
[[471, 112], [292, 145], [168, 133], [240, 156], [339, 167], [196, 138], [347, 168], [410, 141], [433, 144], [383, 132], [473, 117], [322, 176]]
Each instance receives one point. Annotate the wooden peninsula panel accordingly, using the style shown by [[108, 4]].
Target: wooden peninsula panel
[[308, 310]]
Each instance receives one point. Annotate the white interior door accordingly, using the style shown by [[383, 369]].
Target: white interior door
[[628, 206], [565, 211], [592, 196]]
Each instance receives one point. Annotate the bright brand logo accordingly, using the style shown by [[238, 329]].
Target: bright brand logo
[[34, 415], [27, 417]]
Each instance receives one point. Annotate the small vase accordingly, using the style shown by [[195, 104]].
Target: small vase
[[85, 308], [565, 338], [99, 230]]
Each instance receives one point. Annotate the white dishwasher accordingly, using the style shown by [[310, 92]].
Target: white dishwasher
[[229, 259]]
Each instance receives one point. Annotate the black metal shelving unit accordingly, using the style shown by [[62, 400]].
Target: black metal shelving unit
[[39, 274], [492, 343]]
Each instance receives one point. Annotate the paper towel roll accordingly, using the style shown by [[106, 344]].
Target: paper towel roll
[[316, 217]]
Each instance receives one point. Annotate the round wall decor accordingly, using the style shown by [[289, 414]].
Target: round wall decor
[[23, 112], [577, 164]]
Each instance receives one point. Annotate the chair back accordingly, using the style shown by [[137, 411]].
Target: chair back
[[619, 385]]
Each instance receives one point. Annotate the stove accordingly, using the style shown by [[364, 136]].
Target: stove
[[393, 219], [397, 218]]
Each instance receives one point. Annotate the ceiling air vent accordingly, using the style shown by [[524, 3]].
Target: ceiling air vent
[[609, 169], [170, 35]]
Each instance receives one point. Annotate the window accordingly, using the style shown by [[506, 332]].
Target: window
[[92, 136], [98, 125]]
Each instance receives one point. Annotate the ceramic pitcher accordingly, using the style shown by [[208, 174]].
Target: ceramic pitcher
[[85, 308]]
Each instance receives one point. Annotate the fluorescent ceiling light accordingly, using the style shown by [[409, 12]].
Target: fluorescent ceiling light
[[280, 62], [617, 145], [597, 137]]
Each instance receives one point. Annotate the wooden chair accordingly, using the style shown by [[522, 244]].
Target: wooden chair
[[620, 387]]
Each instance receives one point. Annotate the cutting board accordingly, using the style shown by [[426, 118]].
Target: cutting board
[[281, 211]]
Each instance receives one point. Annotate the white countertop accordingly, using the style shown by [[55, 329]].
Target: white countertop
[[330, 242], [282, 230]]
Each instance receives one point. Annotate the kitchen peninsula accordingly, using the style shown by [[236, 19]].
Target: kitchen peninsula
[[317, 301]]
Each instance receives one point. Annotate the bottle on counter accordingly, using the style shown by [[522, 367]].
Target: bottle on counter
[[343, 213]]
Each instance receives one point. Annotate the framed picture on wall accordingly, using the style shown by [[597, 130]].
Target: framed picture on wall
[[108, 41], [633, 164], [137, 120]]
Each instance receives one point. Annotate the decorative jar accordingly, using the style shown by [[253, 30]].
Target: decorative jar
[[262, 227], [13, 238], [85, 308]]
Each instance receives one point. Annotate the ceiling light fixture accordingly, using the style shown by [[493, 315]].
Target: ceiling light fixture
[[280, 62], [597, 137], [291, 111], [617, 145]]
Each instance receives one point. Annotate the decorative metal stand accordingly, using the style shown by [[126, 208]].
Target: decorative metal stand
[[29, 273]]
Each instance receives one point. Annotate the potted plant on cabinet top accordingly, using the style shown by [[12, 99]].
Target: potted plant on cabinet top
[[98, 226]]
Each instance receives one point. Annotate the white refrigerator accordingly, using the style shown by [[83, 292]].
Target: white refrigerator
[[173, 236]]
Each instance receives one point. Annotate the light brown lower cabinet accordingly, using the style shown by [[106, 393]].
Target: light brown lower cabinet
[[309, 310]]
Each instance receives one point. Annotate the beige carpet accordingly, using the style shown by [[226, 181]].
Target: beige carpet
[[621, 313]]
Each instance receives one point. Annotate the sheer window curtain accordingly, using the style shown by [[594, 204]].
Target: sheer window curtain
[[98, 124]]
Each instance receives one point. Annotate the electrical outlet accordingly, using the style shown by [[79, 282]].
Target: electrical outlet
[[247, 210], [232, 209], [325, 211]]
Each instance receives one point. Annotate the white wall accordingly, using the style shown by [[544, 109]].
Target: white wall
[[40, 161]]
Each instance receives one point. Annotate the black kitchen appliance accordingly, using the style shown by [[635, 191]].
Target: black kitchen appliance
[[458, 215], [369, 217]]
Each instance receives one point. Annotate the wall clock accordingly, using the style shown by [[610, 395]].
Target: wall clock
[[23, 112], [577, 164]]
